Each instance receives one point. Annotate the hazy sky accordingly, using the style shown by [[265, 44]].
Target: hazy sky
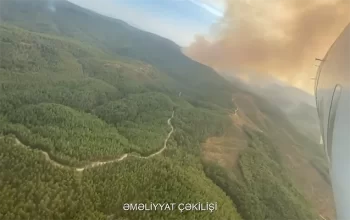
[[256, 39], [273, 38], [178, 20]]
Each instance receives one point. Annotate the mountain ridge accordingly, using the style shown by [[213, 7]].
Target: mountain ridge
[[128, 81]]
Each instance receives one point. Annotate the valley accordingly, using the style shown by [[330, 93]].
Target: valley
[[95, 113], [101, 163]]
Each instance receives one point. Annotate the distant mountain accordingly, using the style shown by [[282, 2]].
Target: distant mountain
[[118, 38], [280, 92], [78, 88], [298, 105], [291, 125], [284, 95], [305, 116]]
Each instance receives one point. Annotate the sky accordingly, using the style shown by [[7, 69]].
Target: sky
[[253, 39], [260, 39], [177, 20]]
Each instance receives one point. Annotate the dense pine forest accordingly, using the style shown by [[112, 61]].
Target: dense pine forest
[[84, 88]]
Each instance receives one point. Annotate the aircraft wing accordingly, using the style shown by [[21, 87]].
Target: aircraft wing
[[332, 90]]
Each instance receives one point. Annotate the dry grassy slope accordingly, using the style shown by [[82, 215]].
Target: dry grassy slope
[[225, 150]]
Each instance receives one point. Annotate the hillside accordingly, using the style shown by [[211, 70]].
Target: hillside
[[262, 130], [124, 40], [78, 88], [305, 117], [296, 104]]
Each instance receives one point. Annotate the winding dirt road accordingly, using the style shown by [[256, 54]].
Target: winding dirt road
[[101, 163]]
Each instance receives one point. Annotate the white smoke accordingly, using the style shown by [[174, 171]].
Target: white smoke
[[51, 5]]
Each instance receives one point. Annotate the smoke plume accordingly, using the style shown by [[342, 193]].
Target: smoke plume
[[51, 5], [278, 38]]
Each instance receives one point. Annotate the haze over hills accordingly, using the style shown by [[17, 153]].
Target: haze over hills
[[78, 89], [274, 89], [298, 105]]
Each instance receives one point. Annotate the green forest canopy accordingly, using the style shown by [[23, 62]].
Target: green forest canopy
[[82, 91]]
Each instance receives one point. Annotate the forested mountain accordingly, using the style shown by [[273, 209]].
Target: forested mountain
[[77, 23], [78, 88]]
